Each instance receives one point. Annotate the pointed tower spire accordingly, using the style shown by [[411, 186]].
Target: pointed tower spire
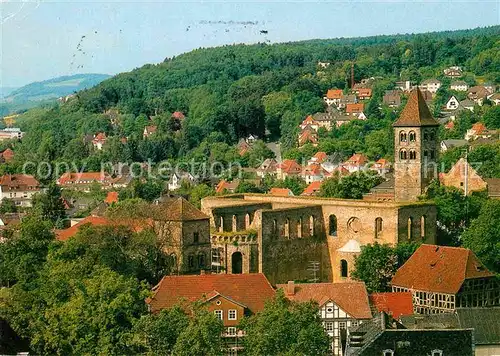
[[416, 112]]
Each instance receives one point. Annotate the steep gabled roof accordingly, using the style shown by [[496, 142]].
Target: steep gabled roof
[[440, 269], [250, 289], [416, 112], [351, 297], [182, 210]]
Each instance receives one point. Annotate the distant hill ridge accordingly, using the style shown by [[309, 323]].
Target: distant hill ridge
[[54, 88]]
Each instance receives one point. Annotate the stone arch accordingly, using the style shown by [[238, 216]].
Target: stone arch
[[344, 269], [402, 136], [332, 230], [237, 263], [412, 136], [311, 225], [410, 222], [402, 154], [378, 227]]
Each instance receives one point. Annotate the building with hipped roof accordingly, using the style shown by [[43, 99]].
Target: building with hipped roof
[[341, 306], [20, 188], [442, 278]]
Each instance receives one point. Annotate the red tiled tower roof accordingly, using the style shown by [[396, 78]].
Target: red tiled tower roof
[[416, 112], [440, 269]]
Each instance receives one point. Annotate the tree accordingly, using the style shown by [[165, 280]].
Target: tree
[[23, 255], [203, 335], [377, 263], [492, 117], [483, 235], [49, 205], [7, 206], [247, 187], [300, 322], [157, 334], [295, 184], [199, 192], [350, 187]]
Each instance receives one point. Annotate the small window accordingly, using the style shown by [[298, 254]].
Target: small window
[[413, 154], [402, 154], [218, 302], [333, 225], [231, 331], [342, 325], [196, 237], [232, 314], [378, 227], [343, 268], [329, 326], [437, 353], [354, 324], [387, 353], [219, 314], [402, 136], [413, 136]]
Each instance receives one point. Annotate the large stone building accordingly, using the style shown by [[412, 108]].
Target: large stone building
[[297, 238]]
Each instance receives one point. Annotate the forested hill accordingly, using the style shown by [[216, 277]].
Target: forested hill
[[55, 87], [229, 92]]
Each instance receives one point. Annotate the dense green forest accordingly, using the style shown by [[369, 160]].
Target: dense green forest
[[230, 92]]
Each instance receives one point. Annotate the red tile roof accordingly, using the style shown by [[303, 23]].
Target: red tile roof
[[137, 226], [7, 154], [320, 156], [440, 269], [307, 136], [178, 115], [309, 121], [281, 192], [252, 290], [149, 130], [112, 197], [18, 182], [394, 304], [478, 128], [312, 188], [101, 136], [450, 125], [181, 210], [354, 108], [334, 93], [364, 92], [351, 297], [357, 159], [225, 185], [416, 112], [290, 166], [84, 178]]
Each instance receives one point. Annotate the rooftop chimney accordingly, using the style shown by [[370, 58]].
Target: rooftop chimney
[[290, 288]]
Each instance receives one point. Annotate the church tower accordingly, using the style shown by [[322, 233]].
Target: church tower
[[415, 149]]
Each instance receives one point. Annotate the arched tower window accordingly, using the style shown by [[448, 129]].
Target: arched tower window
[[403, 154], [413, 136], [402, 136], [333, 225], [378, 227], [344, 270], [413, 154], [409, 228]]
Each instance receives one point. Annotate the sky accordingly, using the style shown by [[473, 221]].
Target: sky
[[43, 39]]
